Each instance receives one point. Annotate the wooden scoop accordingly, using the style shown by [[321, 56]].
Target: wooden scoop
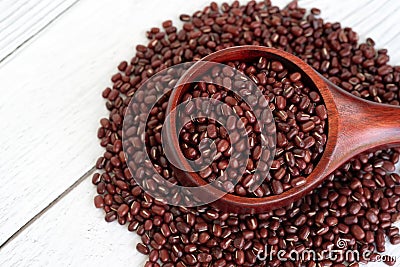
[[354, 126]]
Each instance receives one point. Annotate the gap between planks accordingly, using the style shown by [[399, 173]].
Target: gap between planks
[[49, 206], [35, 32]]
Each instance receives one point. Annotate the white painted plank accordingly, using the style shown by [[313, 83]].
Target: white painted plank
[[22, 19], [73, 233], [74, 57]]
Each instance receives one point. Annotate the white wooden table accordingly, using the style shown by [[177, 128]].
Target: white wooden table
[[56, 56]]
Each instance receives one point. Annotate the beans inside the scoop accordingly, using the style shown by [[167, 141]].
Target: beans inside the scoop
[[298, 111]]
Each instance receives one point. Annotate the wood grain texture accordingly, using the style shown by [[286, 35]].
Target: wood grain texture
[[20, 20], [50, 104], [74, 233], [51, 99]]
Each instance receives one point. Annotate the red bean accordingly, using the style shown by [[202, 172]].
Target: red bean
[[99, 202]]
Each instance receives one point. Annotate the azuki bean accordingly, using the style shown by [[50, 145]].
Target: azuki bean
[[358, 232], [182, 227], [371, 217], [204, 257], [142, 249], [123, 210], [277, 187], [395, 240], [354, 208], [99, 201]]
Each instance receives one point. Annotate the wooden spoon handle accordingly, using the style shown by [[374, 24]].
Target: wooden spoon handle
[[362, 125]]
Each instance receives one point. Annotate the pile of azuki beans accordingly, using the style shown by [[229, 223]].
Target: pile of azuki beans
[[357, 203], [299, 113]]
